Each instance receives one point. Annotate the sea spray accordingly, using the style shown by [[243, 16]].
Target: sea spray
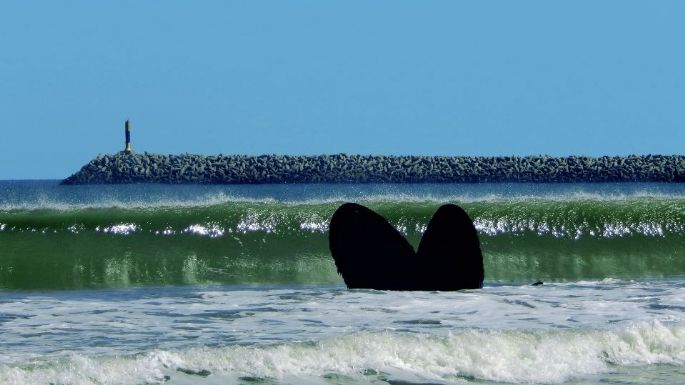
[[511, 356]]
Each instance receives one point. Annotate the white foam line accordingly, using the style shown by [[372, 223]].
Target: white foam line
[[221, 198], [213, 200], [514, 356]]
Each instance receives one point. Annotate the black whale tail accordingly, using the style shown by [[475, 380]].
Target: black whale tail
[[368, 251], [450, 251], [371, 253]]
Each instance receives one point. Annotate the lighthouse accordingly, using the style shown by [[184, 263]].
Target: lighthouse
[[127, 130]]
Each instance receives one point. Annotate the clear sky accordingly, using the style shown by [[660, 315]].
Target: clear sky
[[311, 77]]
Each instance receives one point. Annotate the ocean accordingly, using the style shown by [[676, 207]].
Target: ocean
[[234, 284]]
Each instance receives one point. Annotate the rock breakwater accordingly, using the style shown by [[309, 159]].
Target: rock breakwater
[[342, 168]]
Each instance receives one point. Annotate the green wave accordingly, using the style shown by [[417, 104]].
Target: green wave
[[270, 242]]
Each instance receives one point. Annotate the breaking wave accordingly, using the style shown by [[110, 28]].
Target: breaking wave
[[512, 356], [257, 241]]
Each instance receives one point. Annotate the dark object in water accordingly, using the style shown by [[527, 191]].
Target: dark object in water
[[537, 283], [370, 253]]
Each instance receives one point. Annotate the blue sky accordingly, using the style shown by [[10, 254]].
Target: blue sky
[[312, 77]]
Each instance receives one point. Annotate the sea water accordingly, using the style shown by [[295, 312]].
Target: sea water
[[152, 284]]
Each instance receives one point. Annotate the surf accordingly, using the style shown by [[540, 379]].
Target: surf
[[243, 241], [512, 356]]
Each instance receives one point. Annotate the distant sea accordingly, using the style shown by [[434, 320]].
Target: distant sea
[[234, 284]]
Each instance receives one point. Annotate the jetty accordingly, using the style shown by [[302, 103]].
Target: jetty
[[129, 167], [126, 167]]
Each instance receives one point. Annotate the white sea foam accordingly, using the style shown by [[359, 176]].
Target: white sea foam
[[314, 225], [518, 334], [512, 356], [209, 230], [418, 197], [556, 228], [398, 194], [120, 229], [251, 221], [45, 203]]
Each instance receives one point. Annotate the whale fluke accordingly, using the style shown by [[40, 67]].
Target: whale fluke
[[370, 253], [450, 251]]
